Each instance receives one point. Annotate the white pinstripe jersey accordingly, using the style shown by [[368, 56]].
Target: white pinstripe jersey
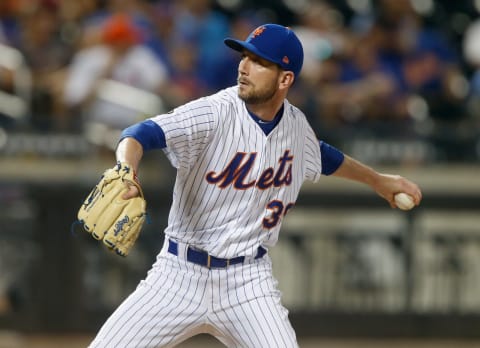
[[234, 184]]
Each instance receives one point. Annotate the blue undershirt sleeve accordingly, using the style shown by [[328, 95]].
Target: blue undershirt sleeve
[[332, 158], [147, 133]]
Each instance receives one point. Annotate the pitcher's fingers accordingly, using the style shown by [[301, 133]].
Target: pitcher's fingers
[[131, 192]]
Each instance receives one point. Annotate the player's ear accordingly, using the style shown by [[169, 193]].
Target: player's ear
[[287, 78]]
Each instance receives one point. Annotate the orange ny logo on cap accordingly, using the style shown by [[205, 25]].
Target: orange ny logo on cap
[[258, 32]]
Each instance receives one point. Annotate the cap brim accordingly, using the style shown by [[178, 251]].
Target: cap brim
[[239, 46]]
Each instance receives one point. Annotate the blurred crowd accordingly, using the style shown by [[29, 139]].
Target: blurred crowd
[[396, 68]]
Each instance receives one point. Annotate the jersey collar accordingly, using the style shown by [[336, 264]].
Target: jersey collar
[[267, 126]]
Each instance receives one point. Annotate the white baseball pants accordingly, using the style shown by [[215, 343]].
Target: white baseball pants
[[239, 305]]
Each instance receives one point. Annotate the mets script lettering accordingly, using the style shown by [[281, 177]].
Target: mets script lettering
[[237, 170]]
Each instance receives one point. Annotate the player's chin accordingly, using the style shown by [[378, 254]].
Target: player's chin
[[243, 92]]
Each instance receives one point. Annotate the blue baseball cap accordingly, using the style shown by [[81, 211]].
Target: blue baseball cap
[[275, 43]]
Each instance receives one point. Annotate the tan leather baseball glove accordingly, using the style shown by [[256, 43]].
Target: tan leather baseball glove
[[109, 217]]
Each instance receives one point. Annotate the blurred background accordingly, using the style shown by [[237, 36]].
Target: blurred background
[[394, 83]]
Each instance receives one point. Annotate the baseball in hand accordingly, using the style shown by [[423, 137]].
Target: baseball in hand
[[404, 201]]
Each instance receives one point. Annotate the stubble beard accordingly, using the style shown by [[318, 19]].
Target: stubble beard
[[254, 97]]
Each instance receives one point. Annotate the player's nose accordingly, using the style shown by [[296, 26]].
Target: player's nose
[[243, 66]]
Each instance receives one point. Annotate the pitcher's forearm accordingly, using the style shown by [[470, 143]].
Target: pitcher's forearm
[[385, 185], [354, 170], [130, 151]]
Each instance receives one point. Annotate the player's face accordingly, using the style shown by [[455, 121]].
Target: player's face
[[258, 79]]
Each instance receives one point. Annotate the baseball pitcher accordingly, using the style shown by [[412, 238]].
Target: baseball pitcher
[[241, 157]]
